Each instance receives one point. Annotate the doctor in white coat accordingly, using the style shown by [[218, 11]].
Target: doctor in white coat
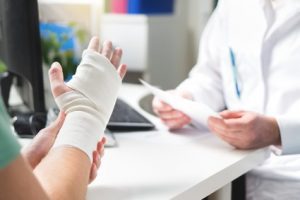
[[249, 70]]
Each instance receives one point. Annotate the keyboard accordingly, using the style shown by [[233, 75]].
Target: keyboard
[[126, 118]]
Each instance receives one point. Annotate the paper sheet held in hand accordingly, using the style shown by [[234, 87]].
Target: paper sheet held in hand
[[197, 111]]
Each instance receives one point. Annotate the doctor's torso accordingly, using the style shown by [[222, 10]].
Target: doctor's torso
[[249, 59], [265, 41]]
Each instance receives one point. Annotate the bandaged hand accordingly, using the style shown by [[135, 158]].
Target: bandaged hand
[[89, 97]]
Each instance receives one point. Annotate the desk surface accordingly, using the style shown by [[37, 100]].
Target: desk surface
[[154, 165], [188, 164]]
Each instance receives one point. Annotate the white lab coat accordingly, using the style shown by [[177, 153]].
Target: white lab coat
[[265, 39]]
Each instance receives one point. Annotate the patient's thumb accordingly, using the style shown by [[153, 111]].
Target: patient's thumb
[[56, 78]]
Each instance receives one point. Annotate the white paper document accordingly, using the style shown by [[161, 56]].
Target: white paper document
[[197, 111]]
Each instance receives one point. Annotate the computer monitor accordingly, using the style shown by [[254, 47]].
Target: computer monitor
[[20, 50]]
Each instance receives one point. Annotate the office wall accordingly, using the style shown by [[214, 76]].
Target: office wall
[[198, 12], [191, 17], [86, 14]]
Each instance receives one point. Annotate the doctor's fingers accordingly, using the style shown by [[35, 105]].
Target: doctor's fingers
[[234, 135], [228, 114], [238, 142], [173, 114], [238, 139], [178, 123], [160, 106], [229, 137], [229, 125], [241, 139], [232, 141]]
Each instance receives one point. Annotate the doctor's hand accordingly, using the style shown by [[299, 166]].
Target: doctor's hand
[[171, 117], [246, 130]]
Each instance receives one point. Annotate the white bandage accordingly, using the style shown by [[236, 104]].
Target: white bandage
[[89, 106]]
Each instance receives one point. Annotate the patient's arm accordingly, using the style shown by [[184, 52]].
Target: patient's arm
[[64, 172], [17, 182]]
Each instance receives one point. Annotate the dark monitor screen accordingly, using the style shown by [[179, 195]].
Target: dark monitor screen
[[20, 50]]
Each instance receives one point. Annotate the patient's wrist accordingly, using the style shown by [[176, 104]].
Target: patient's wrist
[[89, 106]]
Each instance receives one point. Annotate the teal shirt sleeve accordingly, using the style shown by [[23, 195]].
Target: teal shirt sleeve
[[9, 146]]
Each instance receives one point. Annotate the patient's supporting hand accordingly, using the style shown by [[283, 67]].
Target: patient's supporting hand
[[246, 130], [42, 142], [171, 117], [97, 156]]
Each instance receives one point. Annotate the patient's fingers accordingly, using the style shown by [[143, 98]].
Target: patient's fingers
[[116, 57], [57, 84], [122, 70], [113, 55], [55, 126], [107, 49], [94, 44]]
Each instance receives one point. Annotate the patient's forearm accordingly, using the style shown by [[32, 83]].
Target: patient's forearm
[[19, 175], [64, 173], [89, 105]]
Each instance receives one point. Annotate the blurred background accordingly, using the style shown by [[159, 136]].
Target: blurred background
[[160, 38]]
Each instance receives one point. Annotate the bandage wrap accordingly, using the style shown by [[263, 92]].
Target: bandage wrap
[[89, 106]]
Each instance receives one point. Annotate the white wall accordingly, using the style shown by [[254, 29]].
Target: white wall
[[191, 17], [86, 13], [198, 12]]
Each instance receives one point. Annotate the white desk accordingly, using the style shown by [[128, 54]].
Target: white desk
[[161, 165]]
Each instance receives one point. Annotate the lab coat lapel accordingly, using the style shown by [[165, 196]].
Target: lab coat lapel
[[280, 23], [245, 35], [286, 17], [273, 37]]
